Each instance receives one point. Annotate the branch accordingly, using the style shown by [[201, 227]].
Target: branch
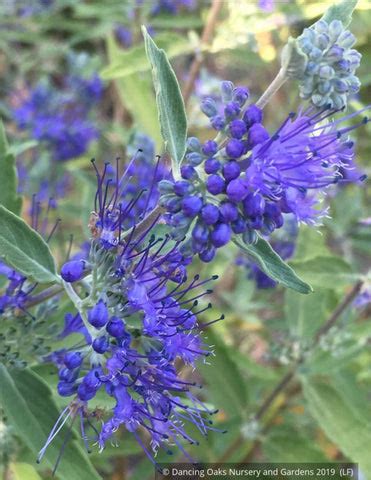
[[286, 379], [205, 40]]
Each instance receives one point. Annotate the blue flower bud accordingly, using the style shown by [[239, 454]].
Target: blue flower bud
[[253, 205], [84, 393], [68, 375], [240, 95], [346, 39], [194, 158], [340, 85], [239, 225], [227, 90], [191, 206], [215, 184], [200, 232], [208, 254], [210, 148], [218, 123], [210, 214], [231, 110], [101, 344], [188, 172], [208, 106], [73, 270], [235, 148], [334, 29], [229, 212], [98, 315], [255, 223], [326, 72], [182, 187], [72, 360], [257, 134], [237, 128], [221, 235], [115, 327], [66, 389], [231, 170], [172, 205], [193, 144], [165, 186], [212, 165], [335, 53], [236, 190], [92, 380], [253, 114]]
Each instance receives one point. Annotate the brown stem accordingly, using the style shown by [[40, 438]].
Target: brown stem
[[348, 299], [206, 37], [145, 223], [44, 295]]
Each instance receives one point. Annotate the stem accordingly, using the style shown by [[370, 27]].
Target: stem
[[348, 299], [145, 223], [206, 37], [44, 295], [273, 88]]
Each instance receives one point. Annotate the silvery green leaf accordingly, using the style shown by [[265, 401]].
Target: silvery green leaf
[[170, 104], [8, 177], [24, 249], [341, 11], [272, 264]]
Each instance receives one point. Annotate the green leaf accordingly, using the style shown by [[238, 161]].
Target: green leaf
[[170, 104], [305, 315], [23, 248], [288, 444], [341, 11], [325, 271], [134, 60], [30, 410], [273, 265], [8, 177], [310, 244], [136, 93], [23, 471], [339, 422], [225, 383]]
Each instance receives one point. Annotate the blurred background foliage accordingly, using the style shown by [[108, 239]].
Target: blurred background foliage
[[324, 412]]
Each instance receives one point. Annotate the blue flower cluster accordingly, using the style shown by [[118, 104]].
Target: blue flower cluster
[[246, 180], [329, 75], [60, 117], [139, 325]]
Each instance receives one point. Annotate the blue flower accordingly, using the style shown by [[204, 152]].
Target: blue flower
[[139, 321], [60, 117], [254, 178]]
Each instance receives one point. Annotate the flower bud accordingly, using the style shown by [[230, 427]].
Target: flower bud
[[73, 270], [98, 315]]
